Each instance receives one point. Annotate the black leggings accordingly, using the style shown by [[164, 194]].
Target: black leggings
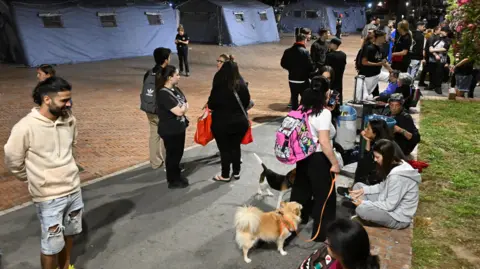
[[313, 179], [174, 146], [228, 143], [183, 59]]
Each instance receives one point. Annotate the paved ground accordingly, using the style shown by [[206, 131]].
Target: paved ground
[[134, 221], [113, 131]]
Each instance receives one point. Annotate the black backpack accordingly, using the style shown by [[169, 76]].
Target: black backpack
[[358, 59], [319, 256], [148, 96]]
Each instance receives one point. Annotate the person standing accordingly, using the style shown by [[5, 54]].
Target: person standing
[[439, 58], [40, 151], [373, 25], [172, 107], [319, 49], [314, 177], [427, 65], [338, 34], [401, 49], [148, 103], [296, 60], [337, 60], [229, 100], [182, 41], [417, 49]]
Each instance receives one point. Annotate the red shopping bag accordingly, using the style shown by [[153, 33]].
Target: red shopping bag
[[203, 134], [248, 137]]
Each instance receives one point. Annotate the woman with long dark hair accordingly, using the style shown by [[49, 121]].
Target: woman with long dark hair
[[172, 106], [393, 202], [315, 173], [366, 171], [348, 244], [228, 100]]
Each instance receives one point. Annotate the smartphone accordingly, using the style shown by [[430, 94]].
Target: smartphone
[[344, 192], [333, 98]]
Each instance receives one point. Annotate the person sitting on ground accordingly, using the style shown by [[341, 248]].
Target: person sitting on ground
[[366, 171], [393, 202], [405, 132], [404, 86], [347, 247], [391, 88]]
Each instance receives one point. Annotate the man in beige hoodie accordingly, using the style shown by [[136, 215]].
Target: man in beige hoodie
[[40, 152]]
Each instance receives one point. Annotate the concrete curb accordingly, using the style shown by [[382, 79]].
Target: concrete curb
[[128, 169]]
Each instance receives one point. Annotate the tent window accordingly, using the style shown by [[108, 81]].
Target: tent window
[[297, 13], [52, 21], [311, 14], [154, 19], [239, 17], [263, 16], [108, 21]]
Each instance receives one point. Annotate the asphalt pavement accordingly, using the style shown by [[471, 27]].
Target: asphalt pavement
[[133, 220]]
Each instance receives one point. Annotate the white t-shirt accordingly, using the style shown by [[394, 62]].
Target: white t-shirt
[[321, 122]]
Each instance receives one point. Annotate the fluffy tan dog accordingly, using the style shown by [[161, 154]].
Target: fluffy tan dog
[[252, 224]]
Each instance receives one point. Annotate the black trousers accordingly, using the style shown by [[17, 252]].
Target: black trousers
[[297, 89], [183, 59], [174, 146], [228, 143], [401, 66], [436, 75], [313, 179], [423, 74]]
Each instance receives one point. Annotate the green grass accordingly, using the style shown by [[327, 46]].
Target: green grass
[[448, 216]]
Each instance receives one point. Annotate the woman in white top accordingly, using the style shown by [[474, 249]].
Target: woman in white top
[[316, 172]]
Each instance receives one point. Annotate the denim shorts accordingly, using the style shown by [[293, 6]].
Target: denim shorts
[[56, 212]]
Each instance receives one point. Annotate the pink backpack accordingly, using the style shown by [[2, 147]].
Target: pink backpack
[[294, 141]]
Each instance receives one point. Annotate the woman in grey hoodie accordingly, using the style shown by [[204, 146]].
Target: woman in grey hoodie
[[393, 202]]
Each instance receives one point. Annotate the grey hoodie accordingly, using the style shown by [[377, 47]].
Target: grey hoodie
[[398, 193]]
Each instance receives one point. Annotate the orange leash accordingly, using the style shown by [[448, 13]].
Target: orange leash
[[321, 214]]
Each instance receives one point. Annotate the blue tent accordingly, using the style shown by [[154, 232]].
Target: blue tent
[[316, 14], [234, 22], [78, 31]]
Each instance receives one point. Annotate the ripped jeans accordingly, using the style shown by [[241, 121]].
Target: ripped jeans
[[58, 218]]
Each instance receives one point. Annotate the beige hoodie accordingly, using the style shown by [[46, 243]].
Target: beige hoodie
[[40, 151]]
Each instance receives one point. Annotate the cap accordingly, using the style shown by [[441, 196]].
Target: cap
[[421, 23], [336, 41], [396, 97]]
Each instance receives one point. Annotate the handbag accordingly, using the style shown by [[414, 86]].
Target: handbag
[[397, 59], [248, 137], [203, 134]]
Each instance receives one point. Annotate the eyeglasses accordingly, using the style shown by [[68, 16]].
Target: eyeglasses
[[220, 61]]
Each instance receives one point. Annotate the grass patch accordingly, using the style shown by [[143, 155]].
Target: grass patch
[[450, 192]]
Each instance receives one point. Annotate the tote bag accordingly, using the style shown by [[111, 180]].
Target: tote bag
[[203, 134]]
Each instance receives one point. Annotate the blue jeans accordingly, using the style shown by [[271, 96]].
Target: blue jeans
[[58, 213]]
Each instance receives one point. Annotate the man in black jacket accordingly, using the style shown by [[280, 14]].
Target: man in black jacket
[[416, 54], [427, 66], [296, 60], [319, 49], [405, 132], [337, 60]]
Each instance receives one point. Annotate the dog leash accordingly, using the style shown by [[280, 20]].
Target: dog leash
[[334, 178]]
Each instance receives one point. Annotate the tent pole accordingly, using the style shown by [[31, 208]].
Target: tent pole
[[219, 23]]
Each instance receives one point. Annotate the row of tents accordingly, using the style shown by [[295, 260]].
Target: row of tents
[[35, 32]]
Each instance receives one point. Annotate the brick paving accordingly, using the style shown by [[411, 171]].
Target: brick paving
[[113, 132]]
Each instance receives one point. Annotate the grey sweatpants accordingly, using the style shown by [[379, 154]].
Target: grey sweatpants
[[374, 214]]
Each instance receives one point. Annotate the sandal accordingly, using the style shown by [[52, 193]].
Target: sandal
[[219, 178]]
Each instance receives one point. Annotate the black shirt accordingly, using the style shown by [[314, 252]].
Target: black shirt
[[337, 60], [183, 37], [404, 42], [465, 69], [169, 123], [418, 43], [374, 54]]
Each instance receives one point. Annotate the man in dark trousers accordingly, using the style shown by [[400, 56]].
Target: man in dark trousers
[[338, 33], [427, 66], [405, 132], [337, 60], [296, 60], [319, 49]]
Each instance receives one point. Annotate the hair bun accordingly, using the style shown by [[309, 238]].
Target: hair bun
[[231, 57]]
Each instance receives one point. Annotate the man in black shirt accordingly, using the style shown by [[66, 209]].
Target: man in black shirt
[[427, 66], [337, 60], [338, 34], [439, 59], [371, 65], [406, 134], [416, 55], [319, 49], [296, 60]]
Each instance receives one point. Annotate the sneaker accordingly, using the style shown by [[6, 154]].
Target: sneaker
[[438, 91], [177, 185], [70, 266], [422, 85], [187, 74], [182, 169]]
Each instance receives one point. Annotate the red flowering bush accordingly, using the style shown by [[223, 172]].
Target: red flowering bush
[[464, 19]]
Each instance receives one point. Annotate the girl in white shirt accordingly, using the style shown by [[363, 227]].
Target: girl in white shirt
[[315, 173]]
